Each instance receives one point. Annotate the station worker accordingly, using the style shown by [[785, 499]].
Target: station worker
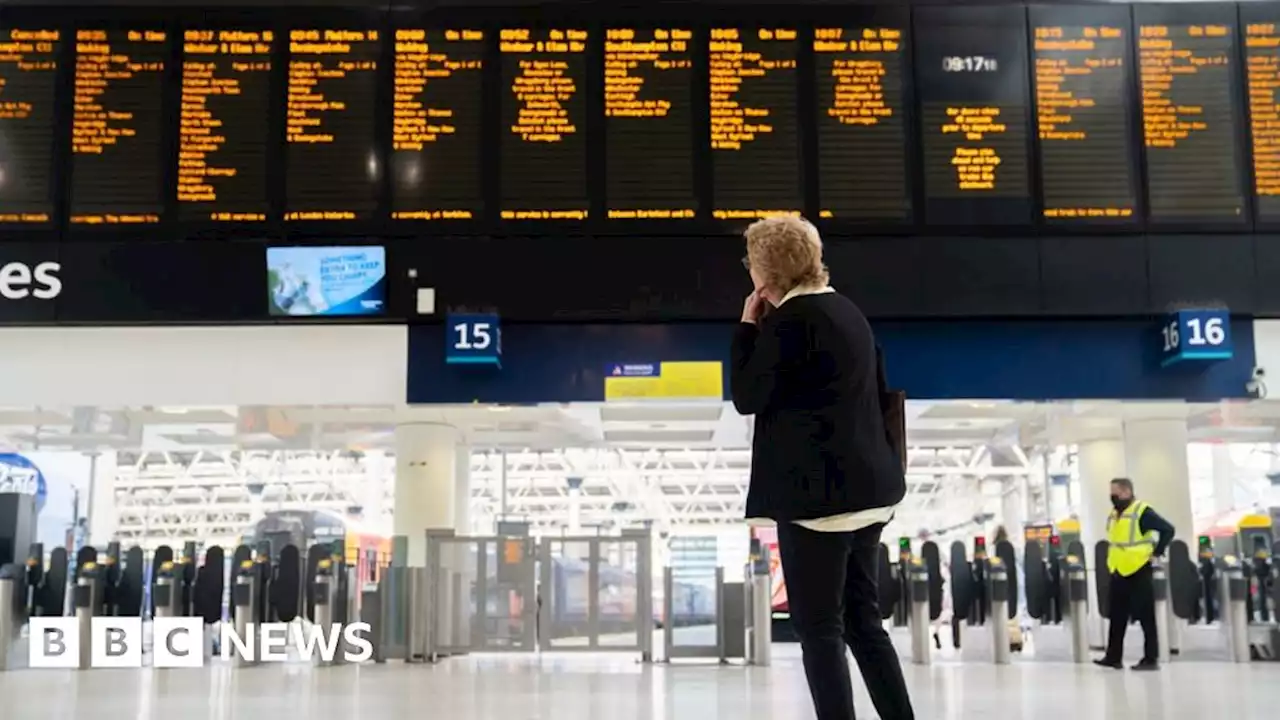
[[1135, 534], [822, 468]]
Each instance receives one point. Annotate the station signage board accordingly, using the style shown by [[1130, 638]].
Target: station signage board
[[1195, 337]]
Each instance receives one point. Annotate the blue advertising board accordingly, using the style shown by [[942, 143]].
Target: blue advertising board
[[473, 339], [326, 281], [1195, 336]]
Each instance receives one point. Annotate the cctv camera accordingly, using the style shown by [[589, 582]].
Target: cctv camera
[[1257, 385]]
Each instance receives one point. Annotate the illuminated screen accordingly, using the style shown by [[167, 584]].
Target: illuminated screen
[[305, 281], [971, 70], [1262, 59], [28, 81], [648, 109], [862, 141], [754, 131], [436, 125], [222, 128], [1082, 86], [1185, 58], [117, 127], [544, 113], [331, 125]]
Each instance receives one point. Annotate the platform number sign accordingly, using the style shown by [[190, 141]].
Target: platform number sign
[[473, 339], [1195, 336]]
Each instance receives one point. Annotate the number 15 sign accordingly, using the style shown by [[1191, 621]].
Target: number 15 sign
[[473, 339], [1195, 335]]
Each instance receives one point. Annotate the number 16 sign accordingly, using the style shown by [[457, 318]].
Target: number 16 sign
[[1195, 335], [473, 339]]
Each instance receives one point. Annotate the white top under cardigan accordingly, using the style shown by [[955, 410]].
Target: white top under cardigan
[[845, 522]]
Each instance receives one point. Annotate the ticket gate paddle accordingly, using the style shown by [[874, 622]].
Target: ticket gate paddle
[[12, 582], [918, 582], [244, 598], [87, 592]]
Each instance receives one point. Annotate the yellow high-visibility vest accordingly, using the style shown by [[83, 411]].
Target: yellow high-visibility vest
[[1129, 548]]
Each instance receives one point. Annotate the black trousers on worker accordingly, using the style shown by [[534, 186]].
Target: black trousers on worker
[[1133, 598], [834, 601]]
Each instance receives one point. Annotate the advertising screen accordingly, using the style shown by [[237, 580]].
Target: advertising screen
[[307, 281]]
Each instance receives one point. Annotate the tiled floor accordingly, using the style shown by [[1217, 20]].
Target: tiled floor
[[613, 688]]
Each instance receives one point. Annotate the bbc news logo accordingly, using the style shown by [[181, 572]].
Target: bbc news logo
[[116, 642]]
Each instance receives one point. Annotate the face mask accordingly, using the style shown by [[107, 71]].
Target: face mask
[[1119, 503]]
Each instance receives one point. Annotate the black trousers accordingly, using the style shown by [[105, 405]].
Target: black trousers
[[834, 603], [1133, 598]]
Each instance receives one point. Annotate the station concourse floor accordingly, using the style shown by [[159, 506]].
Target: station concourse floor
[[602, 687]]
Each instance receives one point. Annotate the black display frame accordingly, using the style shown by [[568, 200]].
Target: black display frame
[[596, 18]]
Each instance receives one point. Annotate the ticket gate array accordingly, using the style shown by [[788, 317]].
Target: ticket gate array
[[265, 588], [1227, 604]]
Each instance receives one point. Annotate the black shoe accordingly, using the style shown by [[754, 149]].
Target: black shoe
[[1147, 665], [1113, 664]]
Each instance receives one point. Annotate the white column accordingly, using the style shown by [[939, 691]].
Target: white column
[[103, 519], [1099, 462], [426, 483], [1013, 509], [462, 491], [1156, 456], [1224, 480]]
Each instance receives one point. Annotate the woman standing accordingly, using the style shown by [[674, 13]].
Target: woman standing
[[822, 468]]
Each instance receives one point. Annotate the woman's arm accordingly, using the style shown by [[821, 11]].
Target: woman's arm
[[763, 354]]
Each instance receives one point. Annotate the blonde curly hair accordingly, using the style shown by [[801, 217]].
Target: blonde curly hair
[[786, 252]]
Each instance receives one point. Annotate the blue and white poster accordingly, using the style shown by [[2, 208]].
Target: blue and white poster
[[307, 281]]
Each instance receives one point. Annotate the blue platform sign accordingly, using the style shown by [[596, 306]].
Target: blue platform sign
[[473, 339], [1195, 336]]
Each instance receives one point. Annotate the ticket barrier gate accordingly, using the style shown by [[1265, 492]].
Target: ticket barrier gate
[[1262, 599], [984, 594], [510, 593], [1209, 598], [911, 626], [1057, 590], [12, 587]]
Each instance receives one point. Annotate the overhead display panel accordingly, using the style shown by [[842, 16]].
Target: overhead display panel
[[223, 130], [862, 136], [755, 143], [1186, 61], [971, 71], [544, 128], [28, 83], [1262, 60], [436, 124], [1082, 81], [118, 126], [333, 169], [648, 108]]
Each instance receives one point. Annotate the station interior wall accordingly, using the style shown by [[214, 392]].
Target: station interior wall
[[203, 366]]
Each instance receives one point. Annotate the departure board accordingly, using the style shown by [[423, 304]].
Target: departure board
[[28, 82], [333, 169], [544, 113], [971, 70], [117, 126], [1262, 59], [436, 124], [648, 108], [1186, 69], [1082, 87], [222, 127], [862, 139], [755, 144]]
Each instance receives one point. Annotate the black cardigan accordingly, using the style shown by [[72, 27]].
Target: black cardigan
[[808, 373]]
